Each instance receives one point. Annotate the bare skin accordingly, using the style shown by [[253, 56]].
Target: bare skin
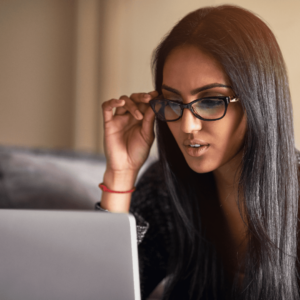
[[129, 136]]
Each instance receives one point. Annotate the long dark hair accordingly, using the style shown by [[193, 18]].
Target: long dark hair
[[247, 49]]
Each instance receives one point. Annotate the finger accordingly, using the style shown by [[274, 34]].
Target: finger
[[120, 111], [139, 97], [153, 94], [143, 97], [108, 106], [132, 108], [142, 107], [149, 96]]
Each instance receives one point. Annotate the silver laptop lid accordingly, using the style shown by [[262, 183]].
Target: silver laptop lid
[[68, 255]]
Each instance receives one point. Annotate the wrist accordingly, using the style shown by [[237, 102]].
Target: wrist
[[119, 180], [104, 188]]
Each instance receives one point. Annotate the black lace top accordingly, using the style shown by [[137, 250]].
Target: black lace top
[[150, 205], [151, 201]]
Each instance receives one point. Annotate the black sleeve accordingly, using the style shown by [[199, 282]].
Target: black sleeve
[[151, 202]]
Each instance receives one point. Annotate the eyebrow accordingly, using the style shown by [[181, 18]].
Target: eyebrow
[[197, 90]]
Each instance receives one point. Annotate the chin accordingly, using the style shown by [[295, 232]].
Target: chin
[[200, 165]]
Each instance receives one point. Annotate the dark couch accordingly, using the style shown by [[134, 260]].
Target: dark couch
[[43, 179], [51, 179]]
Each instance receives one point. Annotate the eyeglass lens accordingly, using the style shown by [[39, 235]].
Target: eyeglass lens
[[209, 109]]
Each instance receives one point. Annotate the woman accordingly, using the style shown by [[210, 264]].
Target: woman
[[222, 202]]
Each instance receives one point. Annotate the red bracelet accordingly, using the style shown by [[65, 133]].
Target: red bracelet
[[106, 189]]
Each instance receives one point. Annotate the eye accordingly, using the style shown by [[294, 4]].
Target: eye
[[172, 110], [211, 103], [210, 108], [165, 109]]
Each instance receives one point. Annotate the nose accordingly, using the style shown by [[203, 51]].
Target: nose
[[189, 123]]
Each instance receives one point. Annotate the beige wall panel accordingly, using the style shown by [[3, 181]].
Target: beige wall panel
[[87, 75], [36, 73], [283, 19]]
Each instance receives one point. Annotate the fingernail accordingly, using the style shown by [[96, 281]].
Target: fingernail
[[147, 96]]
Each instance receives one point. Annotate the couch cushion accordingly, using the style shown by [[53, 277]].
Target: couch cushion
[[45, 179]]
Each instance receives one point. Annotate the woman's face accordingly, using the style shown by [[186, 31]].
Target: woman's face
[[186, 70]]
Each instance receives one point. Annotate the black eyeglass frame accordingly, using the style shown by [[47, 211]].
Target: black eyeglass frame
[[226, 99]]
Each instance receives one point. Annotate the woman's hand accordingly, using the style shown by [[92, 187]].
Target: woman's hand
[[128, 136], [129, 133]]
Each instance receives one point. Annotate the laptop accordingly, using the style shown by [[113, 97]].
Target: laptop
[[68, 255]]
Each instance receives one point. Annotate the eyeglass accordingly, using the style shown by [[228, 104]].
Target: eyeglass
[[206, 109]]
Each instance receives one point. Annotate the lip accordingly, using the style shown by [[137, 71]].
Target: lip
[[195, 152], [188, 142]]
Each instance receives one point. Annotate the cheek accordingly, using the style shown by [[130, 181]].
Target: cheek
[[230, 136], [226, 138], [236, 126]]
